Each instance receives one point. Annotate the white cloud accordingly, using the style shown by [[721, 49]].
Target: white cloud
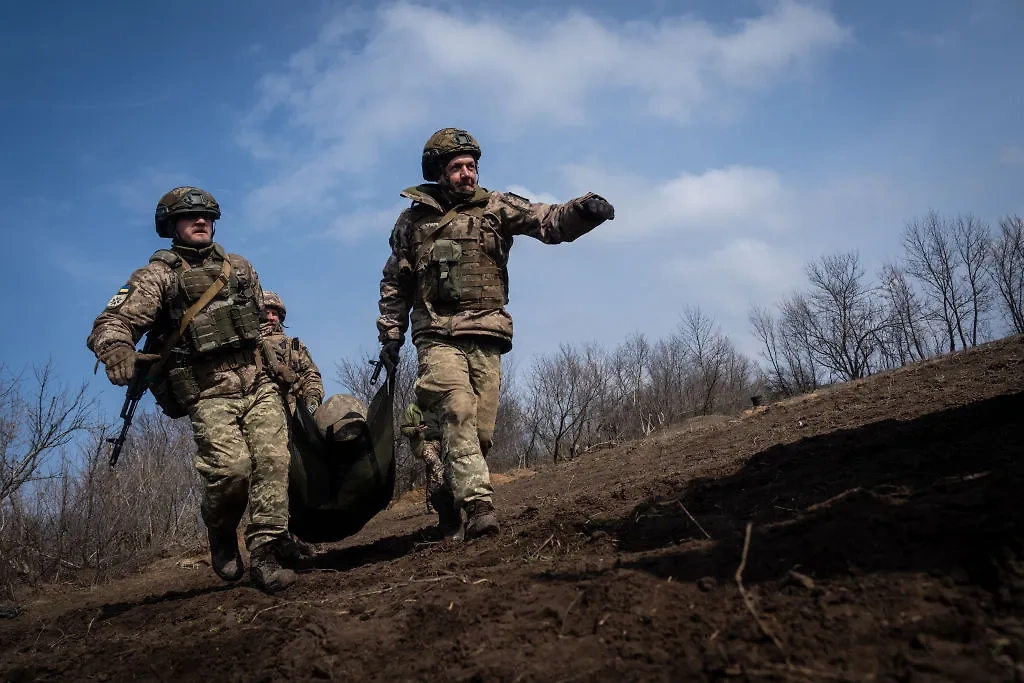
[[345, 95], [542, 197], [741, 271], [352, 226], [723, 200]]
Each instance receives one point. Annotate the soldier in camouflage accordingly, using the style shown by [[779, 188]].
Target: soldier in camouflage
[[424, 433], [447, 270], [214, 375], [291, 364]]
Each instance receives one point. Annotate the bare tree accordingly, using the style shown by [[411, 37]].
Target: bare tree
[[626, 408], [909, 335], [932, 259], [791, 368], [88, 522], [670, 373], [510, 442], [35, 421], [1008, 270], [710, 354], [840, 316], [972, 240], [564, 390]]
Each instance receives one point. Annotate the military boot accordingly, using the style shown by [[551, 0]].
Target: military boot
[[449, 518], [480, 519], [266, 571], [225, 558]]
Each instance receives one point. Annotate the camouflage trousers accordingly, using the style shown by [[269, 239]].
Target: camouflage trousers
[[433, 469], [460, 379], [243, 458]]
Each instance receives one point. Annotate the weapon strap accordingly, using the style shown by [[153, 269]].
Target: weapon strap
[[428, 239], [192, 312]]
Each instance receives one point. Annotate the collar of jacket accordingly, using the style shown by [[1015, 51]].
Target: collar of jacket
[[430, 194], [194, 255]]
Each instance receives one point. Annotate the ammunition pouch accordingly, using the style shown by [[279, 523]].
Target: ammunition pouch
[[166, 398], [229, 321], [187, 377], [443, 277], [223, 325], [460, 275]]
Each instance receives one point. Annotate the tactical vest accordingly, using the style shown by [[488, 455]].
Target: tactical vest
[[230, 322], [461, 260]]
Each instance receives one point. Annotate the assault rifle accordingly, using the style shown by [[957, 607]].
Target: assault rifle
[[136, 390], [378, 365]]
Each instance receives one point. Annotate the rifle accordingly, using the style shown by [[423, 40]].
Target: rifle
[[378, 365], [136, 390], [141, 380]]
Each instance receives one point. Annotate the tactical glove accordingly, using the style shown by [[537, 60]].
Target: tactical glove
[[597, 207], [312, 405], [389, 354], [119, 362]]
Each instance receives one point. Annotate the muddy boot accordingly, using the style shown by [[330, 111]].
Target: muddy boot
[[449, 518], [266, 571], [295, 554], [225, 558], [480, 519], [307, 551]]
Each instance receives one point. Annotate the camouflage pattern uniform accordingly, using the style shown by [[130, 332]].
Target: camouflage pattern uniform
[[290, 362], [426, 445], [447, 269], [235, 410]]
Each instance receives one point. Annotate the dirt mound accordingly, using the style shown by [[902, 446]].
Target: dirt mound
[[870, 532]]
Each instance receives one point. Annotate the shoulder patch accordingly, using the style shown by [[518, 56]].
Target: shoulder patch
[[118, 299], [517, 201]]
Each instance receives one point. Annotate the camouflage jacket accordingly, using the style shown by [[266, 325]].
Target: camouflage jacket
[[143, 304], [292, 367], [498, 217]]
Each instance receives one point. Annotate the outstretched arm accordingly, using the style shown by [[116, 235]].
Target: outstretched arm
[[553, 223]]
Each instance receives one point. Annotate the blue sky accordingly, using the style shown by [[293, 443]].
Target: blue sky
[[737, 139]]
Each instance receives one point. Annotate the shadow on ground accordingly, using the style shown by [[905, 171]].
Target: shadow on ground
[[938, 492]]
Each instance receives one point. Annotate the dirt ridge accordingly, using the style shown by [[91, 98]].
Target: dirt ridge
[[885, 543]]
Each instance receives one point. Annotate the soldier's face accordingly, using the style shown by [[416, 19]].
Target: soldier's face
[[460, 174], [194, 231], [272, 315]]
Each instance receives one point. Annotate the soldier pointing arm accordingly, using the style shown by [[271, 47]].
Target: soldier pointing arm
[[447, 273]]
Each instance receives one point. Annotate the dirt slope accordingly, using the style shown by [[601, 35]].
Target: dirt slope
[[887, 527]]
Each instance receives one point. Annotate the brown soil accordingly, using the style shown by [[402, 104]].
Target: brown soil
[[887, 544]]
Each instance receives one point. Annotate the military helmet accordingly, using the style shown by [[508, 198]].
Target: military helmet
[[342, 417], [272, 300], [184, 201], [442, 146]]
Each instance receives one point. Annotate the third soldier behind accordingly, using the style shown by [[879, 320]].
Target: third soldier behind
[[291, 364], [424, 433], [447, 269]]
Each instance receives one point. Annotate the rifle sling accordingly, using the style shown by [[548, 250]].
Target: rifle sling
[[431, 235]]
